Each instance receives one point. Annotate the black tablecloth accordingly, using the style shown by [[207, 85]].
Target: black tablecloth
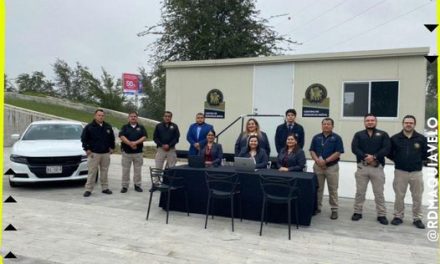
[[251, 195]]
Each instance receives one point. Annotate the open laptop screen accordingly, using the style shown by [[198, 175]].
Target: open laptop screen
[[196, 161], [244, 164]]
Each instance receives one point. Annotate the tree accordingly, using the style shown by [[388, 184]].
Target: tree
[[431, 90], [201, 30], [76, 84], [9, 86], [85, 85], [130, 106], [109, 93], [63, 78], [153, 105], [35, 83], [146, 80]]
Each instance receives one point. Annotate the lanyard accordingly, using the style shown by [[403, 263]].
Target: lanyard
[[324, 142]]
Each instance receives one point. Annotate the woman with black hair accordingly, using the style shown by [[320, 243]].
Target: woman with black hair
[[254, 151], [291, 157], [212, 152]]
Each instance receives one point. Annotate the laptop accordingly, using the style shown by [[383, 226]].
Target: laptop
[[196, 161], [244, 164]]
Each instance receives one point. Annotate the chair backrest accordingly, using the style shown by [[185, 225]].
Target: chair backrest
[[226, 182], [156, 176], [279, 186], [167, 176]]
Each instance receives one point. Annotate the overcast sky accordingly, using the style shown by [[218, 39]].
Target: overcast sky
[[102, 33]]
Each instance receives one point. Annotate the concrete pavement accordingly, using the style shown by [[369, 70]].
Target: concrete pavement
[[55, 224]]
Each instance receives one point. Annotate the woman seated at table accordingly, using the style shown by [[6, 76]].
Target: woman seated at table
[[254, 151], [212, 152], [291, 157], [252, 129]]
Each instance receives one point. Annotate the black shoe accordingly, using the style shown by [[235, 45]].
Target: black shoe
[[334, 215], [396, 221], [383, 220], [124, 190], [138, 189], [107, 191], [317, 211], [419, 224], [356, 217], [87, 194]]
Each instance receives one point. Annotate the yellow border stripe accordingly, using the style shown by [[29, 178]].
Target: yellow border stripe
[[2, 82]]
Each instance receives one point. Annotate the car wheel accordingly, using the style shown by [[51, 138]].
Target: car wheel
[[12, 184]]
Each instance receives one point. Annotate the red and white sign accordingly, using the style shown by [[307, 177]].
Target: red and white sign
[[130, 83]]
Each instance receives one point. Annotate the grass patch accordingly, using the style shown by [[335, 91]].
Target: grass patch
[[70, 113]]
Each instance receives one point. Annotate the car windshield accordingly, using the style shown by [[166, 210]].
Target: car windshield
[[53, 132]]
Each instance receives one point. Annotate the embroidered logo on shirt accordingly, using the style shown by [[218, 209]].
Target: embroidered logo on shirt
[[378, 134], [416, 145]]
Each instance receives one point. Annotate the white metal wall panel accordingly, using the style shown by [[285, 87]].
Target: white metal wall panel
[[272, 94]]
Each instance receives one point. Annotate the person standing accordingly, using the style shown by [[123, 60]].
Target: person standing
[[287, 128], [252, 129], [370, 147], [325, 149], [166, 136], [408, 151], [196, 135], [98, 140], [132, 137]]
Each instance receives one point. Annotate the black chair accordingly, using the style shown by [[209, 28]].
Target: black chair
[[162, 181], [222, 186], [279, 190]]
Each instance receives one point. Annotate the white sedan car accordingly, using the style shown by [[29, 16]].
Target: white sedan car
[[48, 151]]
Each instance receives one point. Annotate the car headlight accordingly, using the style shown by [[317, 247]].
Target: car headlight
[[18, 159], [83, 158]]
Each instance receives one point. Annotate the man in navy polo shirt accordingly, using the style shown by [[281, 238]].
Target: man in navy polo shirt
[[325, 150], [132, 137]]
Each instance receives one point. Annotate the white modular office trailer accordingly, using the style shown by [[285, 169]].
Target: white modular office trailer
[[343, 86]]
